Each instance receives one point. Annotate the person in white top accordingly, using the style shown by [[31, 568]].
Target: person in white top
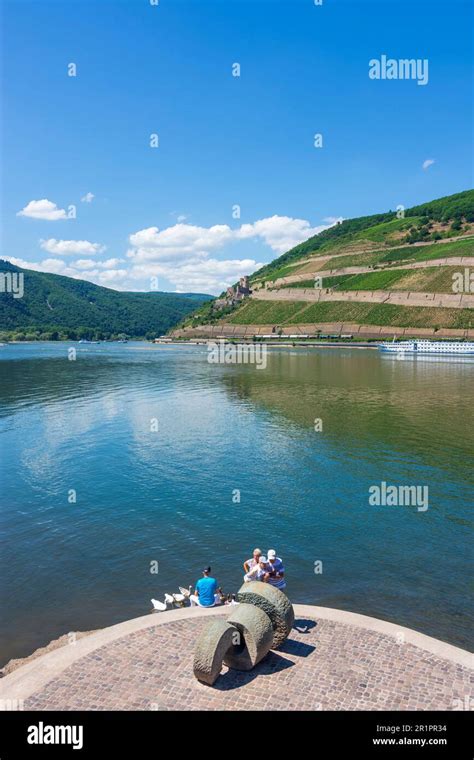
[[258, 571], [254, 560], [275, 570]]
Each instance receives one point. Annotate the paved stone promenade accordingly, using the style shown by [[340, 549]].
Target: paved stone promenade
[[325, 664]]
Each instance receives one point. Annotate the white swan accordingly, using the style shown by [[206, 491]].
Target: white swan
[[186, 592], [169, 599], [160, 606]]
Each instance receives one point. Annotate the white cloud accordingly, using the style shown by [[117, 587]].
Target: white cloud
[[43, 209], [83, 264], [183, 255], [177, 242], [55, 266], [178, 216], [117, 277], [197, 275], [280, 232], [331, 220], [99, 272], [182, 240], [205, 276], [426, 164], [90, 264], [109, 263], [88, 198], [68, 247]]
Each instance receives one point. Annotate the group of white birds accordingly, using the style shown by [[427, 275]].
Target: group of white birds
[[178, 600]]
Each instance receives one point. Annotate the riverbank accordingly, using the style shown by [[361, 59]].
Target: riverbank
[[359, 332], [298, 343]]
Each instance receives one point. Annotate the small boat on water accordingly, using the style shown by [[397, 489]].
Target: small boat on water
[[451, 347]]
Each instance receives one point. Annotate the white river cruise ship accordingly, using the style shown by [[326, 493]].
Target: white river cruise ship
[[428, 347]]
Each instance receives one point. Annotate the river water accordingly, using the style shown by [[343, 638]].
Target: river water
[[134, 458]]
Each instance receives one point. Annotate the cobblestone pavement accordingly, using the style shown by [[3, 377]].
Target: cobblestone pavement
[[330, 666]]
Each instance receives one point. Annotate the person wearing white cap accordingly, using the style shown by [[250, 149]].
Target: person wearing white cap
[[275, 570], [258, 571]]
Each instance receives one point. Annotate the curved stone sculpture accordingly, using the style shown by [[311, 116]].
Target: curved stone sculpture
[[261, 622], [255, 636], [212, 645], [276, 605]]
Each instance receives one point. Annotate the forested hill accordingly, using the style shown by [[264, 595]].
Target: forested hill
[[420, 223], [54, 306]]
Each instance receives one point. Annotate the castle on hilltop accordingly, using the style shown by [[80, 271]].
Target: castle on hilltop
[[235, 294]]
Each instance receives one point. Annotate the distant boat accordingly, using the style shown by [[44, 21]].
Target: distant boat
[[459, 348]]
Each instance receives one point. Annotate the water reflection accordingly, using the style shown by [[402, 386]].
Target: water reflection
[[167, 495]]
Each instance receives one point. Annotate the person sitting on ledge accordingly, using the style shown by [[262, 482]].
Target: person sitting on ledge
[[275, 570], [205, 593], [258, 572], [249, 564]]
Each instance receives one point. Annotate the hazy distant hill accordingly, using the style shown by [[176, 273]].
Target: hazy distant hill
[[58, 306]]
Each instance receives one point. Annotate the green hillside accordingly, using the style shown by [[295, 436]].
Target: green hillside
[[286, 313], [54, 306], [429, 221], [422, 252], [426, 280]]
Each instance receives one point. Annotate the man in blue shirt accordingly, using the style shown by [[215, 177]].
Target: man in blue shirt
[[205, 593]]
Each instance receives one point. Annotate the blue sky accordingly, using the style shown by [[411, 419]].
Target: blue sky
[[165, 217]]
